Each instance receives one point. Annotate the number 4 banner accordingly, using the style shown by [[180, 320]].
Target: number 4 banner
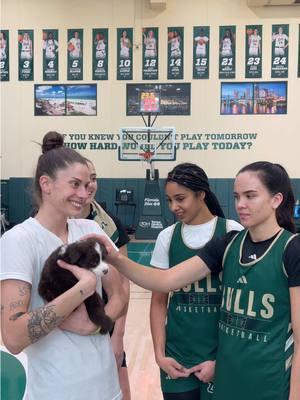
[[175, 53], [227, 52], [124, 53], [253, 48], [280, 51], [50, 54], [75, 57]]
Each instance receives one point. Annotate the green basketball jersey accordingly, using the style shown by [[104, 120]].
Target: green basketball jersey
[[193, 312], [255, 335]]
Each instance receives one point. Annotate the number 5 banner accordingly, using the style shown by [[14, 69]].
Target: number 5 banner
[[4, 55], [175, 53], [124, 53], [75, 54], [280, 51], [100, 54], [227, 52], [25, 54], [253, 46], [50, 54]]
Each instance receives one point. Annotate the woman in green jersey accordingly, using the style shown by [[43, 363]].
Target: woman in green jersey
[[259, 329], [196, 307]]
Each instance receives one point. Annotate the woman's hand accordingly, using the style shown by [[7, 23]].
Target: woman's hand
[[204, 371], [172, 368], [112, 253], [78, 322]]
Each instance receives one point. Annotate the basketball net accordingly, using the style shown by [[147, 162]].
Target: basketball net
[[147, 156]]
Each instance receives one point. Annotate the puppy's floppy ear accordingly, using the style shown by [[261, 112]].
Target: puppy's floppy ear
[[103, 251], [72, 253]]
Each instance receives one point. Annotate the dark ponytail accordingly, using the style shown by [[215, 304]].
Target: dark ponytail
[[275, 178], [194, 178]]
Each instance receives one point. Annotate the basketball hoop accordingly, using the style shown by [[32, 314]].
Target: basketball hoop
[[147, 156]]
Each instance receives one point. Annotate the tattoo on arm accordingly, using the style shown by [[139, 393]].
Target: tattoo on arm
[[16, 316], [24, 290], [16, 304], [42, 321], [2, 308]]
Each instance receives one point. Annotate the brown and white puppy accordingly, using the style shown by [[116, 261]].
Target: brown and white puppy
[[55, 280]]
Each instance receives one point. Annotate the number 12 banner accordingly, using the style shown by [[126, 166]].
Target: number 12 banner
[[280, 51], [253, 46], [25, 54], [227, 52], [150, 53], [201, 52], [50, 54], [124, 53], [175, 53], [75, 54]]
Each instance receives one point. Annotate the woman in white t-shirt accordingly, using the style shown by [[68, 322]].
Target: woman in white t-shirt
[[67, 356]]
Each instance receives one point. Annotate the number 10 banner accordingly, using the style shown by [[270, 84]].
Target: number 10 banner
[[253, 47], [124, 53], [227, 52]]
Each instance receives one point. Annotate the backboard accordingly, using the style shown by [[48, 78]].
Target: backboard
[[144, 143]]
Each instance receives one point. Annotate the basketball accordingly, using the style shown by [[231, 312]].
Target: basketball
[[201, 41], [71, 47], [20, 38], [170, 35]]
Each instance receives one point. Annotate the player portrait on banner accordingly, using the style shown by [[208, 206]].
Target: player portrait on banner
[[175, 52], [150, 53], [227, 52], [4, 55], [25, 53], [124, 53], [100, 54], [253, 46], [75, 54], [201, 52], [50, 54], [280, 51]]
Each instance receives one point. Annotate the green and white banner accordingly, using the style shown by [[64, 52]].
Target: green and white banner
[[299, 53], [253, 46], [124, 53], [75, 54], [280, 51], [50, 54], [25, 54], [4, 55], [227, 52], [150, 53], [201, 52], [100, 54], [175, 52]]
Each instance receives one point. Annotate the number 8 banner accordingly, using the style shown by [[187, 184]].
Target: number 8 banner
[[100, 54], [253, 46], [280, 51], [227, 52], [50, 54], [75, 55]]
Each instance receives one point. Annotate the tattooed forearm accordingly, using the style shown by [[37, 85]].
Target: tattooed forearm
[[25, 290], [16, 304], [2, 308], [16, 316], [42, 321]]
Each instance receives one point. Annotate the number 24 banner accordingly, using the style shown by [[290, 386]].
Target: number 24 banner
[[25, 54], [50, 54], [280, 51]]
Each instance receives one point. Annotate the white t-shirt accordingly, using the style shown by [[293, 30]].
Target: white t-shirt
[[194, 236], [62, 365]]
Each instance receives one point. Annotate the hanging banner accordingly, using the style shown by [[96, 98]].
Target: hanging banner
[[175, 53], [4, 55], [227, 52], [75, 54], [50, 54], [25, 54], [253, 46], [124, 53], [299, 53], [150, 53], [280, 51], [201, 52], [100, 54]]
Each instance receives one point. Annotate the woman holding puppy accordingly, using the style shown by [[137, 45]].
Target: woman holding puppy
[[67, 358]]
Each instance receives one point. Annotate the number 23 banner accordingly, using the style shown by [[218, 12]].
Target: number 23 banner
[[253, 47], [75, 55], [25, 54], [280, 51], [124, 53], [50, 54], [175, 53], [227, 52]]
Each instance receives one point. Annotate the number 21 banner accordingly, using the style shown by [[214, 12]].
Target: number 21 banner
[[124, 53], [175, 53], [201, 52], [4, 55], [150, 53], [50, 54], [253, 46], [75, 54], [227, 52], [25, 54], [280, 51], [100, 54]]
